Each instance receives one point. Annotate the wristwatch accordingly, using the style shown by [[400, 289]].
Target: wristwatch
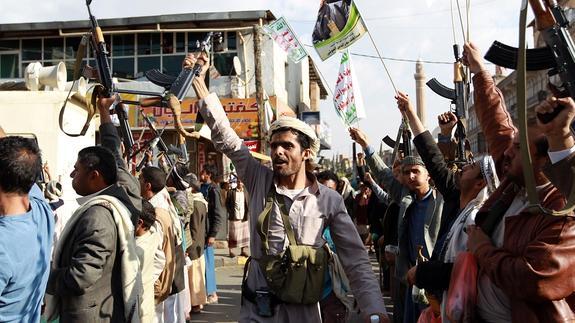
[[374, 318]]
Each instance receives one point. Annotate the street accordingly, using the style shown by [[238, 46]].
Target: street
[[229, 280]]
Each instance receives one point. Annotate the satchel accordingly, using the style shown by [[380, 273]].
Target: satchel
[[296, 275]]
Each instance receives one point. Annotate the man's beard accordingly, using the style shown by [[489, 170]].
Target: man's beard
[[286, 169]]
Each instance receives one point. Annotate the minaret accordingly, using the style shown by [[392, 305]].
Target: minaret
[[420, 92]]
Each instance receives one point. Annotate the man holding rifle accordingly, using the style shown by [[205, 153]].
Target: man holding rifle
[[526, 259], [312, 207]]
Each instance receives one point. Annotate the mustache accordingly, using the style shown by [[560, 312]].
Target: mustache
[[279, 160]]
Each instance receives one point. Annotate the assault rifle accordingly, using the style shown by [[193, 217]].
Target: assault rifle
[[177, 87], [157, 141], [558, 56], [101, 56], [405, 145], [459, 98]]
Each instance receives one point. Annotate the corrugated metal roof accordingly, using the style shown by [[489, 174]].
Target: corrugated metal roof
[[243, 17]]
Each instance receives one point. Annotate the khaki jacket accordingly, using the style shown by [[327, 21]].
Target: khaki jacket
[[163, 286]]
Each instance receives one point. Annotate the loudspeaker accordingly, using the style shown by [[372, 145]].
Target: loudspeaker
[[53, 76], [80, 86]]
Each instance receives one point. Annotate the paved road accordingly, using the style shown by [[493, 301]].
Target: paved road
[[229, 280]]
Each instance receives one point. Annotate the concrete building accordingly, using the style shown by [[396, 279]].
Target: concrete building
[[139, 44]]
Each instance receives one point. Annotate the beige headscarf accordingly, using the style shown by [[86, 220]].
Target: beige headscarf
[[296, 124]]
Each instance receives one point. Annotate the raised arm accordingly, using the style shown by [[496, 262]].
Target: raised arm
[[561, 143], [434, 160], [381, 171], [381, 195], [110, 139], [494, 119], [224, 138], [108, 133]]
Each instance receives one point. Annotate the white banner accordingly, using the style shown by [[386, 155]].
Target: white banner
[[347, 96], [283, 35]]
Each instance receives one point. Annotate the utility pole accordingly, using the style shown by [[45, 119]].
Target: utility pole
[[259, 84]]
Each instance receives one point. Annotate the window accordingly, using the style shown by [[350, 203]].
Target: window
[[172, 64], [180, 42], [31, 49], [9, 45], [9, 65], [148, 44], [194, 41], [54, 48], [231, 40], [71, 47], [147, 63], [123, 45], [123, 67], [168, 43]]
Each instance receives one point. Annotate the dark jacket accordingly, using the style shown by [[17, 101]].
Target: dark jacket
[[110, 139], [401, 195], [197, 230], [434, 274], [87, 278], [216, 211]]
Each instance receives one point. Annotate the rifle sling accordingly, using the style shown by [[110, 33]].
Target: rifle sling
[[91, 112], [528, 175], [264, 218]]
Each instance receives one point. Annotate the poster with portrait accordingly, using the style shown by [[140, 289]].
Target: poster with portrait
[[338, 26]]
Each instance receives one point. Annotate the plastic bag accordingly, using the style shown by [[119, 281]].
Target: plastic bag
[[427, 316], [462, 294]]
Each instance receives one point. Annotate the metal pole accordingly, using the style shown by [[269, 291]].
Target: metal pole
[[259, 84]]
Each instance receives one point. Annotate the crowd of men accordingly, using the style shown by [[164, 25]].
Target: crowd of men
[[141, 249]]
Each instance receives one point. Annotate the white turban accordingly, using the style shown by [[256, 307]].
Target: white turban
[[296, 124]]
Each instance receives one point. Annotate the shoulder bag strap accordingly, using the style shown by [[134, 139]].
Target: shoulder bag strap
[[264, 219]]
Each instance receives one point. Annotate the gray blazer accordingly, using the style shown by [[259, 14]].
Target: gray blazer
[[88, 278], [401, 195], [310, 212]]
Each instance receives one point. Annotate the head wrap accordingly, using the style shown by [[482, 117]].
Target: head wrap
[[412, 160], [53, 191], [487, 166], [296, 124], [192, 180]]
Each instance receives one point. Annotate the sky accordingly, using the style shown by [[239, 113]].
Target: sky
[[407, 30]]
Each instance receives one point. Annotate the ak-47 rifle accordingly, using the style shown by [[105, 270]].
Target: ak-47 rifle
[[551, 22], [157, 141], [101, 56], [558, 56], [459, 98], [176, 88]]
